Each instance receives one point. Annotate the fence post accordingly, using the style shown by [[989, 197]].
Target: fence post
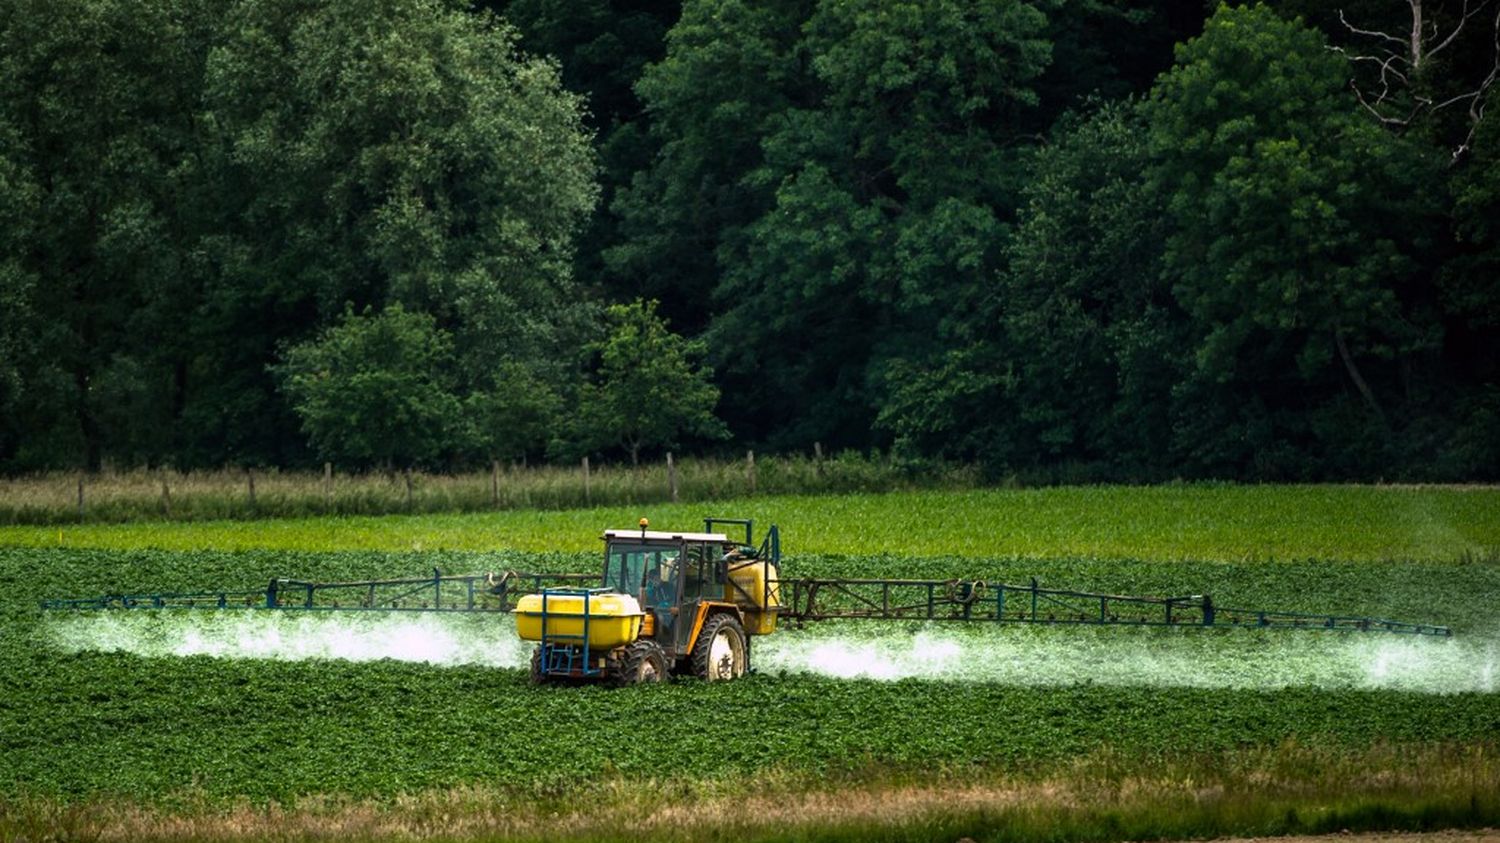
[[328, 485], [408, 488], [818, 458], [672, 476], [587, 496], [166, 496], [495, 484], [750, 470], [80, 497], [250, 484]]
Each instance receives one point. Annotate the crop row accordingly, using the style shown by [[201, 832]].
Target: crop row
[[76, 723], [85, 724]]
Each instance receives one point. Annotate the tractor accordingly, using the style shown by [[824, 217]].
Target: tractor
[[669, 603]]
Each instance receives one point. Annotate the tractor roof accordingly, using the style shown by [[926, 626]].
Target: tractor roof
[[659, 535]]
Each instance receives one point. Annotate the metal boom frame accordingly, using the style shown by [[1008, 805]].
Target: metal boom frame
[[803, 600], [815, 599]]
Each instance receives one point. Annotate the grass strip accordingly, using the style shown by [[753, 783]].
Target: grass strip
[[1166, 523], [1103, 797]]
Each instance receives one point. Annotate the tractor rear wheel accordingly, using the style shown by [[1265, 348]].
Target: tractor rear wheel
[[645, 661], [536, 667], [720, 652]]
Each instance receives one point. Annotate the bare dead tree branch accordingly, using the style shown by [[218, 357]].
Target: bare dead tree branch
[[1395, 102], [1478, 103], [1369, 32]]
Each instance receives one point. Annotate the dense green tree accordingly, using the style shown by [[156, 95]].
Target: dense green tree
[[376, 390], [206, 180], [602, 46], [730, 68], [1297, 230], [648, 389], [516, 415], [1070, 354], [832, 176], [19, 323], [400, 151], [97, 103]]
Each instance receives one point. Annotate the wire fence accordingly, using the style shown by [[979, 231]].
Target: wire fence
[[241, 493]]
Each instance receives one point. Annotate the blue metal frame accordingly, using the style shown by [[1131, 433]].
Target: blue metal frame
[[560, 652]]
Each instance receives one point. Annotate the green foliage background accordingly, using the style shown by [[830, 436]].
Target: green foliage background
[[1075, 239]]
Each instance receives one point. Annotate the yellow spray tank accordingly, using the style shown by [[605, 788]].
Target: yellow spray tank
[[755, 586], [614, 620]]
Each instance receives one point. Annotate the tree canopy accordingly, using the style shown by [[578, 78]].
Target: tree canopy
[[1066, 239], [648, 389]]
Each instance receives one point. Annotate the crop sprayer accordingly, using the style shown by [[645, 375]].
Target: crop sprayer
[[679, 603]]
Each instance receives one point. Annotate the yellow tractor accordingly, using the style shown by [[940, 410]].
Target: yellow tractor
[[670, 603]]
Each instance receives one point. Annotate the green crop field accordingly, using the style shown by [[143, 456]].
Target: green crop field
[[424, 726], [1198, 522]]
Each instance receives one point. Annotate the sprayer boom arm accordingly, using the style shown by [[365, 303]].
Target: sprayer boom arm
[[976, 600], [437, 593], [809, 599]]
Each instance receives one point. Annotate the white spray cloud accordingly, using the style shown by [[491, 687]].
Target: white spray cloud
[[429, 639], [882, 651], [1133, 658]]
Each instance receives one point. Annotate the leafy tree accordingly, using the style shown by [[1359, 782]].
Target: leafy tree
[[373, 153], [602, 46], [205, 181], [376, 389], [516, 415], [96, 114], [18, 290], [1297, 229], [648, 389], [1071, 351], [837, 175], [730, 68]]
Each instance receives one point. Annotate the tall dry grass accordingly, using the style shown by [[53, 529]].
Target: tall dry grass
[[202, 495], [1103, 797]]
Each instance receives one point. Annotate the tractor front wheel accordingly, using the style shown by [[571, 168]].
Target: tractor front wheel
[[537, 677], [644, 662], [720, 652]]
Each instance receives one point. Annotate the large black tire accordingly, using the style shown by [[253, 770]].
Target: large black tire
[[722, 651], [645, 662], [536, 667]]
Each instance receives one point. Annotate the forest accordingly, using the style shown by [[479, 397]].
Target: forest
[[1124, 240]]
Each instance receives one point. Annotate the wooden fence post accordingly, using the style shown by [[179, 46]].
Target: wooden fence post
[[586, 493], [495, 484], [328, 485], [672, 476], [750, 470], [408, 488], [166, 496], [80, 497], [250, 484], [818, 458]]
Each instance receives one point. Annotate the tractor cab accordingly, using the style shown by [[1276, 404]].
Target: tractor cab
[[668, 602]]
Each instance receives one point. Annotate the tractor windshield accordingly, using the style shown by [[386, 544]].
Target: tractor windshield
[[650, 574]]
